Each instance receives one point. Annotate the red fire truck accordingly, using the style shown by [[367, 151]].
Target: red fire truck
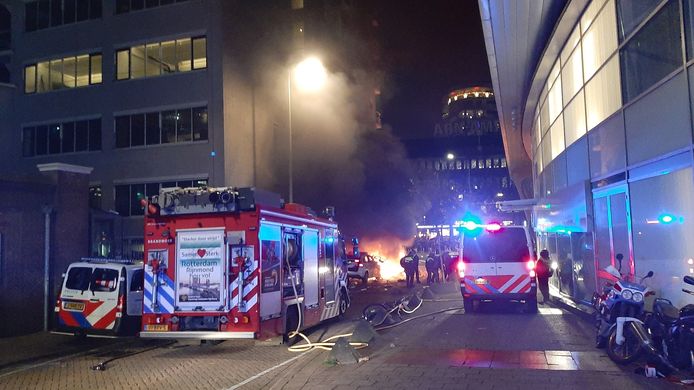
[[237, 263]]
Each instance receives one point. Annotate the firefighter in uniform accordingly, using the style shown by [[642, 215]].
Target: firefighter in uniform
[[409, 263]]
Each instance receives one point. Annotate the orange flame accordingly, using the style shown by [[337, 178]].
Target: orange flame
[[390, 250]]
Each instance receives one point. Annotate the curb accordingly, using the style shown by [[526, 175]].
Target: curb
[[580, 310]]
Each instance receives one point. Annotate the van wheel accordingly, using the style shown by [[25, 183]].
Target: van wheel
[[530, 306], [468, 305], [365, 279]]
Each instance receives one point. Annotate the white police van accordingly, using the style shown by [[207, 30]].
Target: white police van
[[100, 297]]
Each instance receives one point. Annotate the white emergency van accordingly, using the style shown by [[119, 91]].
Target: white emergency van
[[100, 297]]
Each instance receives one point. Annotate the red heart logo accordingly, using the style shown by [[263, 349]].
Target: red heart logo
[[201, 252]]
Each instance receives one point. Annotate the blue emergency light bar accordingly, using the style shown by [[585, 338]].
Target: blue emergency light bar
[[108, 260]]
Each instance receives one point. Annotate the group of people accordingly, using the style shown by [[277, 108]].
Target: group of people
[[439, 265], [436, 261]]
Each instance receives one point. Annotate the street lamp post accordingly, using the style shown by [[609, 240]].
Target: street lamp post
[[289, 125], [310, 75]]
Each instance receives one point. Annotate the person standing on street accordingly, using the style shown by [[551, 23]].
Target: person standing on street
[[543, 270], [416, 267], [433, 263], [408, 263]]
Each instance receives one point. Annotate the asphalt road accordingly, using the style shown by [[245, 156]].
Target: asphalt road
[[496, 347]]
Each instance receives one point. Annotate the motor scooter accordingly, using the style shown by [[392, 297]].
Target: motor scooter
[[667, 334]]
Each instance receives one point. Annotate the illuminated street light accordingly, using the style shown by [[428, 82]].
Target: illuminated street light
[[310, 75], [450, 156]]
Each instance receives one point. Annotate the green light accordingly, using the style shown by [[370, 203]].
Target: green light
[[666, 219]]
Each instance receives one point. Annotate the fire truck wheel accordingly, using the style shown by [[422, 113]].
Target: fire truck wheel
[[343, 305]]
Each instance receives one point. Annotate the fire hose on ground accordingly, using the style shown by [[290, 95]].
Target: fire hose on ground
[[400, 306]]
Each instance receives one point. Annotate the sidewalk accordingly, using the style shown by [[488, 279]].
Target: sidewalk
[[43, 346]]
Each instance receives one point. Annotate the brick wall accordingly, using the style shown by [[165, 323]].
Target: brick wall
[[22, 243]]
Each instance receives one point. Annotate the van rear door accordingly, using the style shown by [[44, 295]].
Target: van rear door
[[480, 268], [74, 295], [495, 262], [103, 297], [511, 257], [135, 292]]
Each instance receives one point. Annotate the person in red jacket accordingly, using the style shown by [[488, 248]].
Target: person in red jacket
[[544, 271]]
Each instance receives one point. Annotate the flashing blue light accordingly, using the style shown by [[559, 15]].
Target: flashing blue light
[[473, 225], [329, 240]]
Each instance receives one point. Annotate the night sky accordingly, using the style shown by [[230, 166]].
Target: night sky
[[428, 48]]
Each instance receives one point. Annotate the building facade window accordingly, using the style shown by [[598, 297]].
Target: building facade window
[[159, 58], [153, 128], [631, 13], [127, 196], [63, 73], [653, 53], [95, 196], [43, 14], [124, 6], [62, 137]]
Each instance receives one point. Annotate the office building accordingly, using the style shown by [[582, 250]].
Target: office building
[[461, 166], [595, 104]]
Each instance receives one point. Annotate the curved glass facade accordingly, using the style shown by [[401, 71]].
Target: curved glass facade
[[612, 146]]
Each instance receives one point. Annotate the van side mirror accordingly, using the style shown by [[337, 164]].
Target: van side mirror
[[63, 275], [649, 274]]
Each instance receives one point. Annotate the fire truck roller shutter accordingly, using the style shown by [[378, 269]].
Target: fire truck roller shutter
[[270, 270], [310, 243]]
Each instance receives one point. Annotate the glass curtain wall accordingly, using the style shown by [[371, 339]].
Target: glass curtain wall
[[622, 61]]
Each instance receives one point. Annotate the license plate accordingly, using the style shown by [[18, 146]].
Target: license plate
[[74, 306], [156, 328], [480, 281]]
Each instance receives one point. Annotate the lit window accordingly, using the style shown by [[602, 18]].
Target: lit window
[[158, 58], [199, 53], [557, 136], [30, 79], [95, 69], [122, 64], [60, 73], [575, 119], [600, 41], [183, 55], [554, 100], [603, 94]]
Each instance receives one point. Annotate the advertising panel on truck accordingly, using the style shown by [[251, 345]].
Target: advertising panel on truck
[[200, 265]]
